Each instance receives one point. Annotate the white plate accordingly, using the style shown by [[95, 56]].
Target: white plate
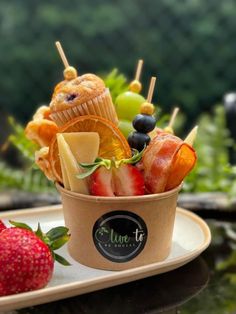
[[191, 236]]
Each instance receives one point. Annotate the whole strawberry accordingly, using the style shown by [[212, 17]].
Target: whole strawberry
[[27, 258]]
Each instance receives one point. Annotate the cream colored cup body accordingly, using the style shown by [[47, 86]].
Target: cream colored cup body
[[81, 212]]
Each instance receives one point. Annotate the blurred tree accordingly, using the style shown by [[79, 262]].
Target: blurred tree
[[189, 44]]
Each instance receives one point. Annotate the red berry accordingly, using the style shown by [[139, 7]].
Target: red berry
[[27, 258], [101, 182], [26, 262], [126, 180], [2, 226]]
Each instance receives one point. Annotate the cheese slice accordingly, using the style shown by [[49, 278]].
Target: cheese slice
[[84, 145], [64, 174], [71, 167]]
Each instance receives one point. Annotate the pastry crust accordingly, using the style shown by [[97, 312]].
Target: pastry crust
[[41, 129], [68, 94], [42, 160]]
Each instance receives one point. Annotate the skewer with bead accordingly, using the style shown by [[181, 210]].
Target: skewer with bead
[[169, 127], [70, 72], [144, 122], [128, 103], [147, 107], [135, 86]]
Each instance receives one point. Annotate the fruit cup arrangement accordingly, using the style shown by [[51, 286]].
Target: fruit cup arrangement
[[119, 196]]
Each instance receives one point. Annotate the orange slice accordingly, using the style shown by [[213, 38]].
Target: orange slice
[[113, 144], [182, 163]]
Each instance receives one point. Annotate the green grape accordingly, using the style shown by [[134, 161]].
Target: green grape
[[125, 127], [128, 105]]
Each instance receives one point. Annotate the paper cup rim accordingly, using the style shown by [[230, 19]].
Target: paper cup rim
[[120, 199]]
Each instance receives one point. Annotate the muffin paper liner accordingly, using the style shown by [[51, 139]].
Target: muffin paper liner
[[99, 106]]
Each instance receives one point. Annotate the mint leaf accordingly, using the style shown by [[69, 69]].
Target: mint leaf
[[88, 172]]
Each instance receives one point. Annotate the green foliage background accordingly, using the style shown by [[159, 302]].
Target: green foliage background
[[213, 172], [189, 44]]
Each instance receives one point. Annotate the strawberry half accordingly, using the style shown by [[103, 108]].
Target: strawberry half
[[126, 180], [27, 258], [101, 182], [2, 226], [114, 177]]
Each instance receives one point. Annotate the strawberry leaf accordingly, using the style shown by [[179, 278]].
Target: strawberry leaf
[[39, 232], [57, 244], [20, 225], [56, 233], [61, 260]]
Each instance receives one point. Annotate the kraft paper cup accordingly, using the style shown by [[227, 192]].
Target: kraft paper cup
[[116, 233]]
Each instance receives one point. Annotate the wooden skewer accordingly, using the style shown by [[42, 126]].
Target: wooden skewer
[[173, 117], [139, 69], [151, 89], [190, 138], [62, 54]]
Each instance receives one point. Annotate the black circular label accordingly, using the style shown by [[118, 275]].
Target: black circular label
[[120, 235]]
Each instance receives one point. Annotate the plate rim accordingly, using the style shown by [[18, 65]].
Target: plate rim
[[50, 294]]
